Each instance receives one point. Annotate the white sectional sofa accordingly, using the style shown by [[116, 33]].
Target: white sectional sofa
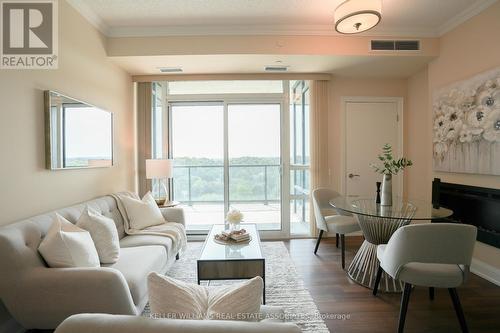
[[93, 323], [39, 297]]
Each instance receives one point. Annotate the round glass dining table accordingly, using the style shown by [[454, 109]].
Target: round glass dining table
[[378, 223]]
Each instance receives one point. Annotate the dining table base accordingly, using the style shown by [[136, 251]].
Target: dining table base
[[363, 270]]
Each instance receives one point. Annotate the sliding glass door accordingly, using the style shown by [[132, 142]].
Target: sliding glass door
[[197, 147], [254, 162], [227, 154]]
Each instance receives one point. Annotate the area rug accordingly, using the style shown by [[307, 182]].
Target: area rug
[[284, 286]]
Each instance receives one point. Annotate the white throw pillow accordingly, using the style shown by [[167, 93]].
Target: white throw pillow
[[66, 245], [104, 234], [170, 298], [142, 213]]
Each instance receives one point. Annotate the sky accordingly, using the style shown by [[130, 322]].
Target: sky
[[88, 132], [253, 130]]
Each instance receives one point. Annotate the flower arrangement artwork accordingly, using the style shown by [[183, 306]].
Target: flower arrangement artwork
[[466, 133]]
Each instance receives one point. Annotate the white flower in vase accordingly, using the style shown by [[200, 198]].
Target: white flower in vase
[[234, 217], [492, 126]]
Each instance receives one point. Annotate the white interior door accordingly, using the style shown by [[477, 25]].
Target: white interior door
[[369, 125]]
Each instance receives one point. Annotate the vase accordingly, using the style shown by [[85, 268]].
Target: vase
[[234, 226], [386, 195]]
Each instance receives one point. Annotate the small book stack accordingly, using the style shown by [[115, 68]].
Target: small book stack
[[239, 236]]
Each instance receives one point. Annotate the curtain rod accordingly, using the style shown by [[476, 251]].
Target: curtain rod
[[231, 77]]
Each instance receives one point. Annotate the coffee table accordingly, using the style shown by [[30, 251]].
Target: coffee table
[[232, 261]]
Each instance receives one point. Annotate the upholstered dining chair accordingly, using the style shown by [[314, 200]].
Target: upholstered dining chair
[[341, 224], [434, 255]]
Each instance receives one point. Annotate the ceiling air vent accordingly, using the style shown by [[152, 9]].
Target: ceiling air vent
[[382, 45], [170, 69], [407, 45], [274, 68], [395, 45]]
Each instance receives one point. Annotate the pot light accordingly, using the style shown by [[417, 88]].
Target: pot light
[[355, 16]]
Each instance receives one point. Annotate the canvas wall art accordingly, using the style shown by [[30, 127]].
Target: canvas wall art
[[466, 131]]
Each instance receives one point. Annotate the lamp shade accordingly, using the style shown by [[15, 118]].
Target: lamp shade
[[159, 169], [355, 16]]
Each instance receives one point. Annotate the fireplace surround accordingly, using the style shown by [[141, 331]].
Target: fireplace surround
[[478, 206]]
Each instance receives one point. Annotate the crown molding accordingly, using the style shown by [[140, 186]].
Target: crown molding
[[269, 30], [464, 15], [87, 12]]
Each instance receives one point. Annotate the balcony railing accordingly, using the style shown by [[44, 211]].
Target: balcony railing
[[265, 197]]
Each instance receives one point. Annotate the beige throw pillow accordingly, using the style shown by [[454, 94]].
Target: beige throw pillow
[[170, 298], [104, 234], [66, 245], [142, 213]]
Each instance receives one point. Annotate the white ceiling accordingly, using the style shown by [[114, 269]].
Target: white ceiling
[[416, 18]]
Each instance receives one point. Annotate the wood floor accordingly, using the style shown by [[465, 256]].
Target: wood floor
[[333, 292]]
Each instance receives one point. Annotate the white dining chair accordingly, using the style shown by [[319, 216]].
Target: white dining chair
[[434, 255], [341, 224]]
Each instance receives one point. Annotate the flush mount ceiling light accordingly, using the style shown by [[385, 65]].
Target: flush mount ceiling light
[[355, 16]]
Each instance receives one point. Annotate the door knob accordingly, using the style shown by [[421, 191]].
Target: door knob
[[351, 175]]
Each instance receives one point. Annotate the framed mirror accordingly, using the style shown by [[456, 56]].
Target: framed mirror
[[77, 134]]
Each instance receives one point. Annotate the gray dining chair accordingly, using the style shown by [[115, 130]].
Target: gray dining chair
[[434, 255], [341, 224]]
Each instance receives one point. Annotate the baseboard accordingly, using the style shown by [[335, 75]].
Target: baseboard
[[486, 271]]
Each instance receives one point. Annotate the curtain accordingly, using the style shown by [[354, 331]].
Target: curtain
[[144, 98], [318, 129]]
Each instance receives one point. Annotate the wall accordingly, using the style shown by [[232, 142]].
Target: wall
[[256, 44], [343, 87], [26, 187], [469, 49], [85, 73], [418, 146]]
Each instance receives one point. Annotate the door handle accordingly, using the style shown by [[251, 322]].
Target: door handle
[[351, 175]]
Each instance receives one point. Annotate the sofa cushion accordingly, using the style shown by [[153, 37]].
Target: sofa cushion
[[271, 314], [66, 245], [97, 322], [142, 213], [171, 298], [104, 234], [135, 263], [143, 240]]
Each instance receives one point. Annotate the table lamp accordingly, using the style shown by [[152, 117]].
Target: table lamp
[[160, 169]]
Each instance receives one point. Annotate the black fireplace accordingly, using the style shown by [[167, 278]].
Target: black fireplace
[[478, 206]]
